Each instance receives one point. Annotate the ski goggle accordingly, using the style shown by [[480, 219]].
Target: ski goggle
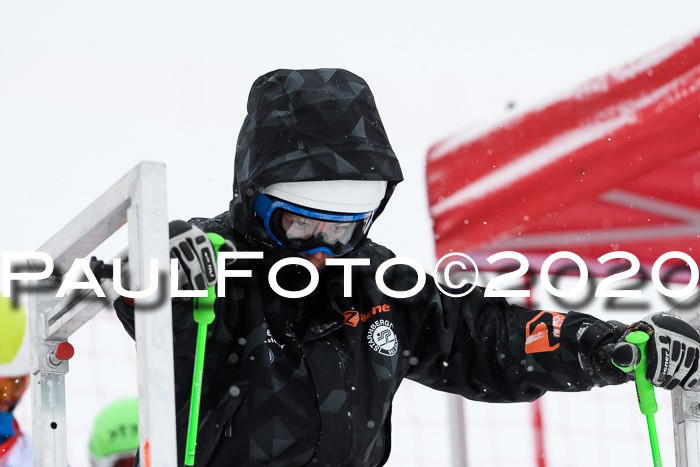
[[304, 230], [115, 460], [11, 390]]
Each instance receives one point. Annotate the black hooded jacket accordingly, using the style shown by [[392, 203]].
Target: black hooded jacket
[[311, 380]]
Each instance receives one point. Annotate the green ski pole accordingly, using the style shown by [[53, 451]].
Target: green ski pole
[[203, 316], [645, 391]]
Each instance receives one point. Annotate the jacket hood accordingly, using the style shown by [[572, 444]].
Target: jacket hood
[[307, 125]]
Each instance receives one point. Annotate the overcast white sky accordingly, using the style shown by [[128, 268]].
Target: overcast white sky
[[89, 89]]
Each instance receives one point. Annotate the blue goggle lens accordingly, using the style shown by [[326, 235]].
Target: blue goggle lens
[[307, 231]]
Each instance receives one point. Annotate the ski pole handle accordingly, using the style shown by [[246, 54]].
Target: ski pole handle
[[204, 306], [645, 390]]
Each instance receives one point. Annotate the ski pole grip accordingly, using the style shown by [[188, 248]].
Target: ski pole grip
[[645, 390], [216, 240], [207, 303]]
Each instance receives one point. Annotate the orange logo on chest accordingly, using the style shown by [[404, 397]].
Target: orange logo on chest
[[353, 317]]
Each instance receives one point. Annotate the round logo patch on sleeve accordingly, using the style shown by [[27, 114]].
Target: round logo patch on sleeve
[[381, 337]]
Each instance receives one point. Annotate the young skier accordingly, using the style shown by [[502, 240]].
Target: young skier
[[115, 434], [15, 445], [310, 380]]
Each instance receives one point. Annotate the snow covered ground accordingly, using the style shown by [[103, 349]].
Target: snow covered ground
[[89, 89]]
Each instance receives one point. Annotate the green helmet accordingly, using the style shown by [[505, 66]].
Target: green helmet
[[14, 339], [116, 429]]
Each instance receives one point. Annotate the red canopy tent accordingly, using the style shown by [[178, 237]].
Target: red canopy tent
[[613, 166]]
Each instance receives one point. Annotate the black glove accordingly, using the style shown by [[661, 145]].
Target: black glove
[[195, 254], [596, 343], [673, 351]]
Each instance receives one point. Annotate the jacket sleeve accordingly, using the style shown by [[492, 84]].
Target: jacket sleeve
[[487, 349], [184, 331], [183, 319]]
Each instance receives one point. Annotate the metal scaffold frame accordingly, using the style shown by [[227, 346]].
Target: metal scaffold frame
[[686, 404], [138, 199]]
